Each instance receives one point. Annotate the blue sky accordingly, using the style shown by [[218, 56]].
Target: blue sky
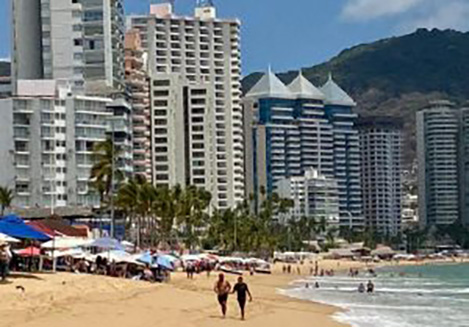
[[289, 34]]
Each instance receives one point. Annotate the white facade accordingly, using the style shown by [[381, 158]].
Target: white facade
[[195, 67], [48, 145], [78, 41], [314, 195]]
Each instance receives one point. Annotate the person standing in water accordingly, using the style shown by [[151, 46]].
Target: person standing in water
[[370, 287], [242, 289], [222, 288]]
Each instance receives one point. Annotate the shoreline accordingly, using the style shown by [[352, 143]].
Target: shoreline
[[75, 300], [83, 300]]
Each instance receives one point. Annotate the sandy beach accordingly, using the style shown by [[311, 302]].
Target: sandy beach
[[82, 300]]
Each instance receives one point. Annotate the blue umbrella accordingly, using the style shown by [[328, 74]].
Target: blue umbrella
[[107, 243], [14, 226], [164, 262], [146, 258]]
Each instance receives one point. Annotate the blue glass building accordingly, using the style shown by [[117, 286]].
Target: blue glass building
[[291, 129]]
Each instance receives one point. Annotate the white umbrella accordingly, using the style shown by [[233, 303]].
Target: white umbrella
[[8, 239], [66, 243], [74, 253]]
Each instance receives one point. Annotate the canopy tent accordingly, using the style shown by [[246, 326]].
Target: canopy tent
[[191, 257], [127, 244], [106, 243], [60, 226], [74, 253], [7, 239], [66, 243], [15, 227], [29, 252], [384, 251], [118, 256]]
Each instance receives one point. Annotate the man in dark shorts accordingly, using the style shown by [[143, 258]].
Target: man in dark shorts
[[222, 288], [242, 289]]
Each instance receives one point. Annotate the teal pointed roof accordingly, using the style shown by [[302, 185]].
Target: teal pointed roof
[[335, 95], [302, 88], [270, 86]]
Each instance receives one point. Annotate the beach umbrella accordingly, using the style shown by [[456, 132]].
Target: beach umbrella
[[164, 262], [29, 252], [74, 253], [106, 243], [146, 258], [15, 227], [190, 257], [7, 239], [66, 243]]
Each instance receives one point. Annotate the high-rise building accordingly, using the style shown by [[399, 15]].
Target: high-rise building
[[381, 170], [339, 111], [79, 41], [47, 141], [196, 114], [121, 132], [314, 196], [291, 129], [440, 139], [138, 84]]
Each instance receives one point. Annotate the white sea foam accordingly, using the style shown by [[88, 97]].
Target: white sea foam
[[439, 299]]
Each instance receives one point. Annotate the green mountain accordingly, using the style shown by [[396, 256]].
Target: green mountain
[[397, 76]]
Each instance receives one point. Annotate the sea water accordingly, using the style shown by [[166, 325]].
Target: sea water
[[413, 296]]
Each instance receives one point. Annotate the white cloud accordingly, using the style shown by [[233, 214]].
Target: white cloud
[[411, 14], [452, 14], [363, 10]]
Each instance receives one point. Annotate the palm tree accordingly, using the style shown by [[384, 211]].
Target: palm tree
[[6, 198], [104, 172], [192, 215]]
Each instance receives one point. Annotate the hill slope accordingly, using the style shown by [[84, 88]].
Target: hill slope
[[397, 76]]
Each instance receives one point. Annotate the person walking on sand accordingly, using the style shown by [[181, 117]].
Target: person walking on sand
[[4, 261], [222, 288], [242, 289]]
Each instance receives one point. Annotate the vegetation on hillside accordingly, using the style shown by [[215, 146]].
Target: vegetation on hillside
[[397, 76]]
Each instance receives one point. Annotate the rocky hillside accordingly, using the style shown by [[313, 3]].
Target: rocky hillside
[[399, 75]]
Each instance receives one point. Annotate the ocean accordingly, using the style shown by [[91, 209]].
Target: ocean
[[412, 296]]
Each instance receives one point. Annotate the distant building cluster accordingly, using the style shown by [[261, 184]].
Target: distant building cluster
[[443, 161], [167, 90]]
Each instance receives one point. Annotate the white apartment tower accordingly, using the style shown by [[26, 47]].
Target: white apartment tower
[[47, 144], [196, 115], [381, 170], [75, 40]]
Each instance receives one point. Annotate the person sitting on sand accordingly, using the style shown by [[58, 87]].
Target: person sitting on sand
[[241, 288], [222, 288]]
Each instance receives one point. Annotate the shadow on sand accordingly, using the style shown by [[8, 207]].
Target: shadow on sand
[[17, 275]]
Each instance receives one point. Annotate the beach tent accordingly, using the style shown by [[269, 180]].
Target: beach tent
[[74, 253], [66, 243], [7, 239], [15, 227], [118, 256], [190, 257], [106, 243], [29, 252], [383, 252]]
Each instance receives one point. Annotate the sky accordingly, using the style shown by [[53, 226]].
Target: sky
[[290, 34]]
